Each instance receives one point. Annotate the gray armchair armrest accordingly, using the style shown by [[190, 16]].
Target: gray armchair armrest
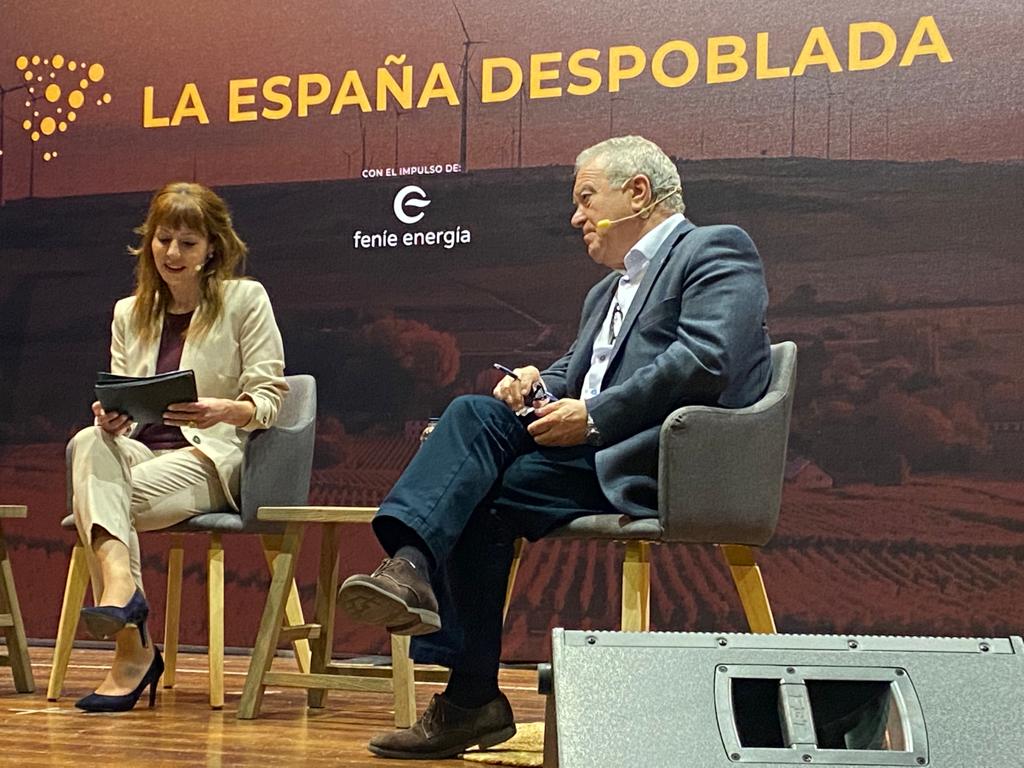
[[721, 470], [277, 461]]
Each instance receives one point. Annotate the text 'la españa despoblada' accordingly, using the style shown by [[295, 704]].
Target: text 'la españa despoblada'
[[674, 63]]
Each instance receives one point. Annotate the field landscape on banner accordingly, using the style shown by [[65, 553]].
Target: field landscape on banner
[[902, 284]]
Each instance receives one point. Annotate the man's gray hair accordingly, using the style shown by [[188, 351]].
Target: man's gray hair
[[623, 157]]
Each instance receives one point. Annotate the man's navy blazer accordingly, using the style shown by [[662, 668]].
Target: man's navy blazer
[[695, 334]]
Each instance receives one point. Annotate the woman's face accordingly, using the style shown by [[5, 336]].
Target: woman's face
[[179, 255]]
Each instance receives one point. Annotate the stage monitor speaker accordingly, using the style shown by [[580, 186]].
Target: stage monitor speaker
[[703, 700]]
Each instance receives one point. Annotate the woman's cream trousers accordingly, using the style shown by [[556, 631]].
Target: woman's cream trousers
[[123, 487]]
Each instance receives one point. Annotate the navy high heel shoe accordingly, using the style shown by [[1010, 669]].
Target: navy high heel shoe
[[97, 702], [105, 621]]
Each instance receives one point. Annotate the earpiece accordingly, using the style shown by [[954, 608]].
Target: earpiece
[[605, 224], [200, 267]]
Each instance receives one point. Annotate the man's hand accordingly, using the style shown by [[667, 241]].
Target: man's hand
[[511, 392], [562, 423], [208, 411], [113, 422]]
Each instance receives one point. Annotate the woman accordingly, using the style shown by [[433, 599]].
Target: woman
[[189, 310]]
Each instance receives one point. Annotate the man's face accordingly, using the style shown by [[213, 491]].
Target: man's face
[[595, 200]]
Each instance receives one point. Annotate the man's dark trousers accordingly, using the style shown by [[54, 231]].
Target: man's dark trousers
[[475, 486]]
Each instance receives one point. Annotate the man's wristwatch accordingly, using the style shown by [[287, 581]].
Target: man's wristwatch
[[593, 436]]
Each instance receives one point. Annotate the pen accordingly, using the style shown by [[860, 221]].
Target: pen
[[506, 371]]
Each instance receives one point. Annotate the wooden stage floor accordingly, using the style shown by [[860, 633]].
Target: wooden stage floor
[[183, 731]]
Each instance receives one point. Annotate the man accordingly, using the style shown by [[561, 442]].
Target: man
[[679, 321]]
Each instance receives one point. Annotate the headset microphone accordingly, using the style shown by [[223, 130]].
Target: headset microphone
[[605, 224]]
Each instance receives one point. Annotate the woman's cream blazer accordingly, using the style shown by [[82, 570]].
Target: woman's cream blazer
[[240, 357]]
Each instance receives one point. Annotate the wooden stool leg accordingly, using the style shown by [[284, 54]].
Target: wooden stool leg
[[215, 604], [750, 586], [17, 645], [293, 615], [293, 608], [74, 596], [172, 615], [270, 623], [403, 682], [636, 587], [326, 600]]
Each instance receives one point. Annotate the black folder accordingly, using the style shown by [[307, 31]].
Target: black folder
[[145, 398]]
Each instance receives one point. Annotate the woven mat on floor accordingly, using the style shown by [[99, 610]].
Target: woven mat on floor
[[525, 748]]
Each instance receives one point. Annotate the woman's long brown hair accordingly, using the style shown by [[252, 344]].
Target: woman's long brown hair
[[198, 208]]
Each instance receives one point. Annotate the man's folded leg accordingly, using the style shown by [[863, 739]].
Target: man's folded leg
[[425, 513], [471, 711], [540, 490], [450, 524]]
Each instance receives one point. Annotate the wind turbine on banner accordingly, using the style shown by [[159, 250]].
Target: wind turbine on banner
[[519, 135], [3, 158], [467, 46], [398, 114]]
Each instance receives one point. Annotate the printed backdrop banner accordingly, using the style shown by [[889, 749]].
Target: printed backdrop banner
[[403, 179]]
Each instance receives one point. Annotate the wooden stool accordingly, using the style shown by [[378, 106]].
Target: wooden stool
[[10, 613], [324, 674]]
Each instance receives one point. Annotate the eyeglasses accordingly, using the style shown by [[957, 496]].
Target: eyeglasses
[[616, 322], [538, 392]]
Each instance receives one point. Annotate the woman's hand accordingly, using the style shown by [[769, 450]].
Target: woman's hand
[[113, 423], [208, 411]]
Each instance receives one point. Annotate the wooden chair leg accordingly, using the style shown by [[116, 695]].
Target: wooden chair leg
[[270, 624], [293, 608], [17, 645], [172, 615], [74, 596], [215, 604], [636, 587], [750, 586], [512, 573], [324, 611]]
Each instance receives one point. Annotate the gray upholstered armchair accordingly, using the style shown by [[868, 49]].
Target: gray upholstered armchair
[[276, 468], [720, 482]]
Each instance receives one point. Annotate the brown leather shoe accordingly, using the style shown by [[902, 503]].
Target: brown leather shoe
[[445, 730], [396, 596]]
